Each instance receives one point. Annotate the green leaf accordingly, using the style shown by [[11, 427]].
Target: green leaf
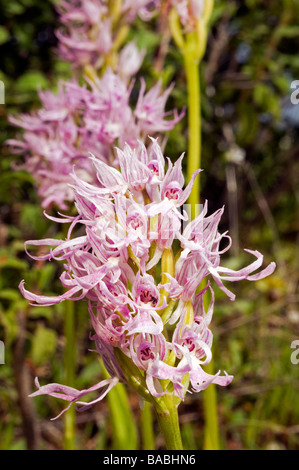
[[125, 435], [10, 262], [32, 81], [43, 345], [41, 312], [286, 31], [147, 39], [14, 8], [4, 35], [123, 422], [9, 294]]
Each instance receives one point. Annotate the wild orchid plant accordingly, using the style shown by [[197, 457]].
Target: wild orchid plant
[[145, 268], [151, 330]]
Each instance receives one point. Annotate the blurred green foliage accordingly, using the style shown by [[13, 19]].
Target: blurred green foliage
[[250, 144]]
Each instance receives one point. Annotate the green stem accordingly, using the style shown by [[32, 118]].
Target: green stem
[[211, 437], [194, 162], [147, 432], [168, 419], [211, 433], [194, 118], [165, 406], [70, 348]]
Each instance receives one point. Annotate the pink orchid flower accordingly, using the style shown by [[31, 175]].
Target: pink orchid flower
[[160, 328]]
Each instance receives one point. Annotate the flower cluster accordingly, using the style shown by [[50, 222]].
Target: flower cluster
[[189, 11], [82, 119], [150, 307], [89, 34]]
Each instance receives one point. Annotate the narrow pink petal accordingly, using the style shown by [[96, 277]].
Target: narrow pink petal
[[72, 395]]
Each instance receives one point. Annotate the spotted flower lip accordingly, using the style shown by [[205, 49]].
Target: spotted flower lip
[[146, 294], [160, 324]]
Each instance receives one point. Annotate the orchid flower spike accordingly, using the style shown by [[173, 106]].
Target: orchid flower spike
[[150, 308], [80, 120]]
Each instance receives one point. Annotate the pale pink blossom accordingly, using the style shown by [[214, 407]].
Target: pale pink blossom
[[130, 60], [189, 11], [150, 109], [146, 9], [77, 121], [87, 34], [110, 265]]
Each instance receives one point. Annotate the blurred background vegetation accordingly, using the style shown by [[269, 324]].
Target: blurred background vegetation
[[250, 162]]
